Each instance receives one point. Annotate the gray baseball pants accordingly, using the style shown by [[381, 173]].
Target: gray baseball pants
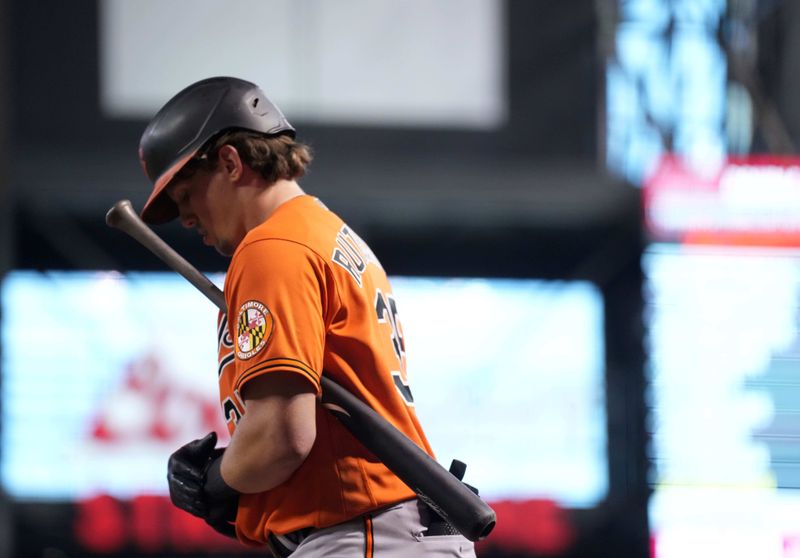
[[394, 532]]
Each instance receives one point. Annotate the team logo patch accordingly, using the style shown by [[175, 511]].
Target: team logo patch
[[254, 328]]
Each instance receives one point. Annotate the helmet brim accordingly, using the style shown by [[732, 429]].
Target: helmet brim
[[159, 208]]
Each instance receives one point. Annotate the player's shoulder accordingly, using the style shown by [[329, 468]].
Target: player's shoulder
[[302, 224], [303, 219]]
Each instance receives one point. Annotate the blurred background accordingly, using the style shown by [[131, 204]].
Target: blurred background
[[590, 211]]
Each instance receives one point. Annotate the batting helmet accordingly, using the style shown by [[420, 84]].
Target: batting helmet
[[191, 118]]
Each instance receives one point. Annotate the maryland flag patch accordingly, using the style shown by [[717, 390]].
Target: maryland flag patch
[[253, 330]]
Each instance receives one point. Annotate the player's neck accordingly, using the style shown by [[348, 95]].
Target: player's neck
[[258, 203]]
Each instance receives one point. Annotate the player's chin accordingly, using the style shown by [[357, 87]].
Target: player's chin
[[226, 244], [223, 247]]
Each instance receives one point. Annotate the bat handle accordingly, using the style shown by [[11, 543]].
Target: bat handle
[[122, 216]]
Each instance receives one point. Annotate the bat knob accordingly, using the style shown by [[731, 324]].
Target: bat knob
[[113, 215]]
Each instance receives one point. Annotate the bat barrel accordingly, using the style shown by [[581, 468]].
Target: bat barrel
[[435, 485]]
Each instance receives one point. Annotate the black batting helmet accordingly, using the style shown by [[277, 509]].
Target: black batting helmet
[[189, 120]]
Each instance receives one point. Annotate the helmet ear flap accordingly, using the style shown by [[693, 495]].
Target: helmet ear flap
[[189, 120]]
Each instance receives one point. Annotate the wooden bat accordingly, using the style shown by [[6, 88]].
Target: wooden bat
[[433, 484]]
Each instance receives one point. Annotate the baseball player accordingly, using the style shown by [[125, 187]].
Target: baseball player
[[305, 297]]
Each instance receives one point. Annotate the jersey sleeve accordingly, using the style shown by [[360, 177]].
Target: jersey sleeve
[[277, 302]]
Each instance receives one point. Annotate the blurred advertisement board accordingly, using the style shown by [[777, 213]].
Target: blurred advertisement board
[[105, 375], [751, 201]]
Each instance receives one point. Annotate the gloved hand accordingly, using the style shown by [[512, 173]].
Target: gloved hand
[[196, 486]]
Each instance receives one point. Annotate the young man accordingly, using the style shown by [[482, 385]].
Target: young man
[[305, 297]]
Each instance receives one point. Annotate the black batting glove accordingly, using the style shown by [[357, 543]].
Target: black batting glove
[[186, 470], [196, 486], [222, 500]]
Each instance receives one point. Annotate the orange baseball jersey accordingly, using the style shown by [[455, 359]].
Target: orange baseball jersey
[[306, 295]]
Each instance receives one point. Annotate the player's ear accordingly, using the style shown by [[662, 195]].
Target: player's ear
[[230, 162]]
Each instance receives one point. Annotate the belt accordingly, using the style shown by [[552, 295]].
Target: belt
[[282, 546]]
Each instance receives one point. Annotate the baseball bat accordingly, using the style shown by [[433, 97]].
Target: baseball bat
[[433, 484]]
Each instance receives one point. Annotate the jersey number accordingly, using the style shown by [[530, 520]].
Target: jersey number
[[386, 310], [231, 409]]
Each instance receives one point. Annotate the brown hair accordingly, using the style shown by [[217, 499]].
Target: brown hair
[[273, 157]]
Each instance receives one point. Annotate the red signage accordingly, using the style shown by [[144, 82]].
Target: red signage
[[751, 201]]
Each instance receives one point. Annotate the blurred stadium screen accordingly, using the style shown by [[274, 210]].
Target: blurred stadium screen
[[723, 309], [743, 201], [106, 374], [409, 63], [724, 351], [723, 277], [665, 85]]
